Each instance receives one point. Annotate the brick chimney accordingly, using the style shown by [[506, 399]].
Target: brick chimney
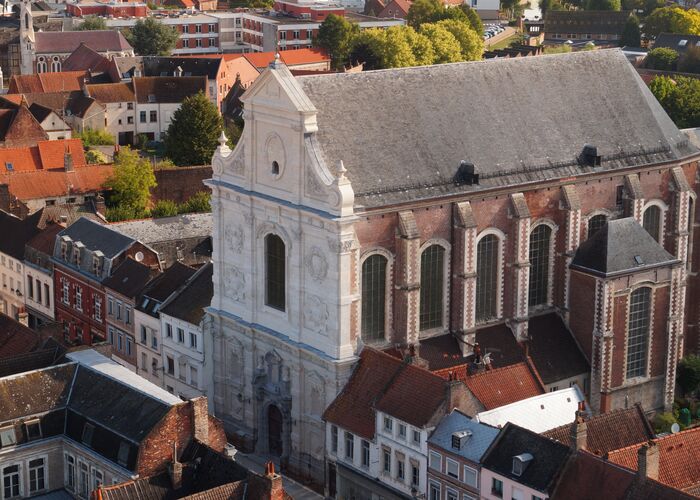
[[457, 393], [67, 160], [175, 470], [200, 419], [273, 482], [648, 461], [100, 206], [579, 430]]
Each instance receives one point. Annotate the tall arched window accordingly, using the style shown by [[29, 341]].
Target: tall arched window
[[595, 223], [540, 240], [41, 66], [374, 297], [652, 221], [432, 287], [487, 278], [638, 332], [275, 261], [56, 65]]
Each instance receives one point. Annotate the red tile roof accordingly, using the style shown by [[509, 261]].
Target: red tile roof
[[503, 386], [112, 92], [44, 241], [289, 57], [83, 58], [15, 338], [65, 42], [610, 431], [47, 82], [20, 129], [45, 155], [679, 459], [53, 183]]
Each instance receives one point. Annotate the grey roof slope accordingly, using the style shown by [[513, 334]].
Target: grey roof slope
[[188, 305], [36, 392], [96, 236], [191, 66], [553, 350], [481, 438], [621, 245], [128, 278], [173, 228], [673, 41], [164, 285], [419, 123]]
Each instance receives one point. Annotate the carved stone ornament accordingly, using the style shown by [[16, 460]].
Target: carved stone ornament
[[235, 238], [313, 185], [238, 164], [340, 246], [234, 283], [315, 314], [316, 264]]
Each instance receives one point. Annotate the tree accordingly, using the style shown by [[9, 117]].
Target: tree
[[662, 59], [631, 34], [510, 7], [558, 49], [198, 202], [690, 61], [95, 157], [260, 4], [150, 37], [423, 11], [672, 20], [92, 23], [547, 5], [474, 19], [421, 47], [680, 98], [603, 5], [335, 35], [365, 48], [446, 47], [131, 183], [164, 208], [94, 137], [394, 48], [663, 88], [472, 45], [689, 374], [194, 131], [651, 5]]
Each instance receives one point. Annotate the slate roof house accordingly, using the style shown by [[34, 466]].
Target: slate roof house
[[51, 49], [89, 422], [459, 235], [602, 27], [678, 42]]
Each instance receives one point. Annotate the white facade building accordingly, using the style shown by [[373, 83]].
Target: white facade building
[[12, 290]]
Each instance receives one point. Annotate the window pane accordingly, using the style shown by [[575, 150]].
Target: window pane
[[539, 265], [373, 297], [652, 221], [275, 272], [486, 278], [595, 223], [432, 278], [638, 332]]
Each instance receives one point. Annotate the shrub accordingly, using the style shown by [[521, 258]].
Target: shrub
[[199, 202], [94, 156], [663, 422], [94, 137], [689, 374], [164, 208], [662, 59]]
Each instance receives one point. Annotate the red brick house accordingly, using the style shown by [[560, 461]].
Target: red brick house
[[85, 254]]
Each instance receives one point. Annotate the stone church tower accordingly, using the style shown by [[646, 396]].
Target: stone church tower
[[283, 244], [26, 34]]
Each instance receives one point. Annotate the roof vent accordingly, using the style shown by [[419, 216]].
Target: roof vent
[[590, 155], [520, 463], [459, 439], [466, 174]]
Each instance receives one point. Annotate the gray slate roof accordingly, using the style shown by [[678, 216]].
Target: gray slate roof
[[481, 438], [189, 303], [96, 236], [167, 228], [679, 43], [621, 245], [402, 133]]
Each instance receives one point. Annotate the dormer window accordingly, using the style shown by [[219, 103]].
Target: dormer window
[[459, 439], [151, 98], [76, 256], [88, 431], [520, 463], [33, 428]]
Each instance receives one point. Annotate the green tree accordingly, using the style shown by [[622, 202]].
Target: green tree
[[663, 88], [92, 23], [689, 374], [511, 8], [651, 5], [672, 20], [260, 4], [446, 47], [394, 48], [130, 183], [198, 202], [690, 61], [472, 45], [474, 19], [365, 48], [423, 11], [94, 137], [421, 46], [663, 422], [662, 59], [631, 34], [150, 37], [94, 156], [603, 5], [335, 35], [547, 5], [680, 98], [164, 208], [194, 131], [233, 132]]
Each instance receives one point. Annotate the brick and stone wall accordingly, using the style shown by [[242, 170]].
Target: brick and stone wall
[[178, 184]]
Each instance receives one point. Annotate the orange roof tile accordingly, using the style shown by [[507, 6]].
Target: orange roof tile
[[679, 459], [289, 57], [112, 92], [53, 183], [505, 385], [48, 82], [45, 155]]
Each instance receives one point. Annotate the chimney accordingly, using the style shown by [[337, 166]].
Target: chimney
[[648, 461], [200, 419], [100, 206], [274, 482], [579, 430], [456, 393], [23, 317], [175, 470], [68, 160]]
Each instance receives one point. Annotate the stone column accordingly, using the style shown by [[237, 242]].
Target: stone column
[[681, 235], [464, 280], [572, 206], [521, 221], [407, 280], [601, 359], [675, 332]]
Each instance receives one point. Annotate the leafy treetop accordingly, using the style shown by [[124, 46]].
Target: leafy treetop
[[150, 37]]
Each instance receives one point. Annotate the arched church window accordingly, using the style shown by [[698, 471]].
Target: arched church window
[[540, 242], [275, 273], [595, 223], [638, 332], [374, 297], [487, 277], [432, 287], [652, 221]]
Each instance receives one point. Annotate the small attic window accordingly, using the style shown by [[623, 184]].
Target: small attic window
[[9, 166], [683, 43], [151, 98], [520, 463], [638, 260], [275, 168]]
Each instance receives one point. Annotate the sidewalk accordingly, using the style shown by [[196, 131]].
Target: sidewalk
[[295, 490]]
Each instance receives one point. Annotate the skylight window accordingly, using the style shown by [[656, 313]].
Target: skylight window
[[9, 166], [683, 43]]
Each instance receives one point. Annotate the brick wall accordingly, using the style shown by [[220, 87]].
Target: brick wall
[[178, 184]]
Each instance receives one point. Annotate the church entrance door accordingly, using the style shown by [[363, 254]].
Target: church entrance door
[[274, 430]]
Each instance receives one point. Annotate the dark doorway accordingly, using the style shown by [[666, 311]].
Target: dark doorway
[[274, 430]]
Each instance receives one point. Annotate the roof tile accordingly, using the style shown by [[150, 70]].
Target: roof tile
[[503, 386]]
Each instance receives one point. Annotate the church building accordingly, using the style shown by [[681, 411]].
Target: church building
[[393, 208]]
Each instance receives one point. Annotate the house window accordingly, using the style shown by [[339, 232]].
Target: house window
[[497, 487], [620, 197], [652, 222], [110, 306], [154, 366], [487, 277], [386, 460], [275, 272], [198, 28], [83, 481], [130, 120], [402, 431], [98, 479], [127, 315], [435, 493], [436, 461], [97, 308], [30, 287], [142, 116], [470, 477], [70, 473], [365, 453], [65, 294], [88, 431], [334, 439], [415, 476], [123, 455], [144, 361], [452, 468], [37, 475], [198, 42], [388, 424], [432, 289], [128, 346], [7, 437], [169, 330], [595, 223], [181, 335], [349, 446], [33, 429], [416, 436], [171, 365], [120, 342], [194, 376], [130, 105], [154, 116], [374, 297], [119, 310], [400, 469], [144, 335], [193, 340], [79, 298], [638, 332], [111, 335], [540, 239], [47, 296], [10, 482]]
